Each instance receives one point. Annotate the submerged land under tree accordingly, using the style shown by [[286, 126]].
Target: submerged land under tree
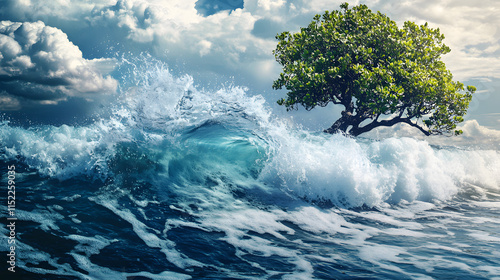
[[380, 73]]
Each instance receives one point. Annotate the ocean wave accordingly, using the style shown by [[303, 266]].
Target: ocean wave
[[193, 137]]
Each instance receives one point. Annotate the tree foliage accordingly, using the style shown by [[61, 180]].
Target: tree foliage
[[365, 62]]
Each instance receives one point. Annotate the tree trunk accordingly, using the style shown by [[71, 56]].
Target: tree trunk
[[342, 124]]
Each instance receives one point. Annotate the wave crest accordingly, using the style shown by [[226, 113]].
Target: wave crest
[[167, 118]]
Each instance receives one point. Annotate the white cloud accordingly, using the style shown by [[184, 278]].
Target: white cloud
[[33, 10], [269, 5], [465, 25], [144, 20], [178, 27], [39, 64], [205, 47], [8, 103]]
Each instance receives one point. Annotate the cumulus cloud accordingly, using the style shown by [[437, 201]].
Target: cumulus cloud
[[472, 31], [8, 103], [61, 10], [245, 36], [146, 20], [38, 64], [233, 41], [242, 31]]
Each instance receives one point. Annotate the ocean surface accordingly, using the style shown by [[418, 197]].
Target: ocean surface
[[184, 183]]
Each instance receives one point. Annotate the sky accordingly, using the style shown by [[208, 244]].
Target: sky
[[59, 59]]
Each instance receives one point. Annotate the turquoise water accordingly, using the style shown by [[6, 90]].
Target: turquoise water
[[181, 183]]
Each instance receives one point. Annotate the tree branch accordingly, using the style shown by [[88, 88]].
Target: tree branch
[[358, 130], [408, 121]]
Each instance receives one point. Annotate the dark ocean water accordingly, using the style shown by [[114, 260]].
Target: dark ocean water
[[181, 183]]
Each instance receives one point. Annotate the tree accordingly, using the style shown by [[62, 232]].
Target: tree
[[380, 73]]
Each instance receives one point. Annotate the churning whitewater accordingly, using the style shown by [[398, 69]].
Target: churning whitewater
[[184, 183]]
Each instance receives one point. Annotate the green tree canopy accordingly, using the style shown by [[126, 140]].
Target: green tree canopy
[[380, 73]]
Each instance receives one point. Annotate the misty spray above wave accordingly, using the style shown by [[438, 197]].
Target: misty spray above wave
[[192, 136]]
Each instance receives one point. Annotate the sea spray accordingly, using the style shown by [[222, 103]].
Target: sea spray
[[357, 172]]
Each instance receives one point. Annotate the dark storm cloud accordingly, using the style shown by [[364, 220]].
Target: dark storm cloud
[[39, 64]]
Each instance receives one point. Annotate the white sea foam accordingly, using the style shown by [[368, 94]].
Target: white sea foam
[[354, 172], [90, 245], [149, 236], [484, 236], [53, 151], [488, 204]]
